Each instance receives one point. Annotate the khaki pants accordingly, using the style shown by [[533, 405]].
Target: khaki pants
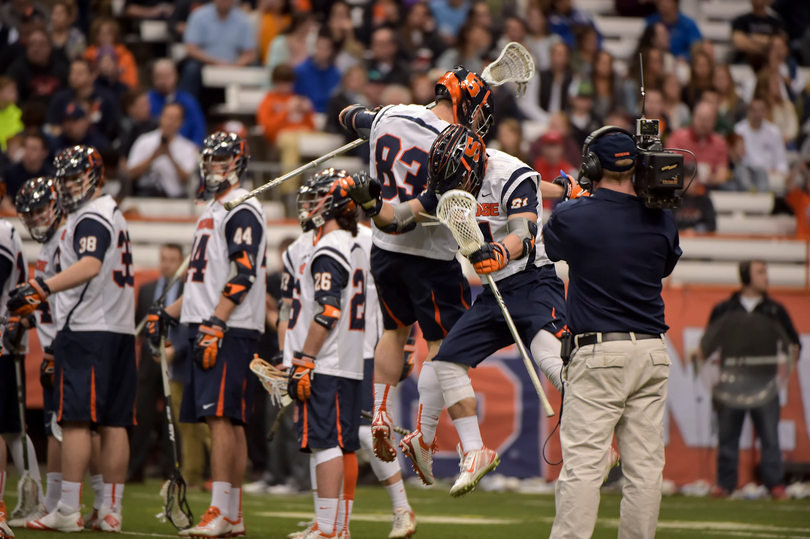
[[194, 440], [615, 386]]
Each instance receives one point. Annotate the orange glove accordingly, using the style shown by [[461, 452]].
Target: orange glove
[[571, 188], [26, 297], [209, 340], [490, 258], [300, 386]]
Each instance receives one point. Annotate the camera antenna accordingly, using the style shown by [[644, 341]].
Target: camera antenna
[[643, 94]]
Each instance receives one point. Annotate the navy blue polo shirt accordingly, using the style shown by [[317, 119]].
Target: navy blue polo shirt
[[618, 251]]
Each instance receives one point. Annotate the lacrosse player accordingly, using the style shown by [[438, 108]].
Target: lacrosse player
[[225, 314], [324, 294], [94, 350]]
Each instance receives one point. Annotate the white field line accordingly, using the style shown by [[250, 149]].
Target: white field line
[[427, 519]]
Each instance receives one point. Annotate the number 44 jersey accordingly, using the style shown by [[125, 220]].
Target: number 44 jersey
[[107, 301]]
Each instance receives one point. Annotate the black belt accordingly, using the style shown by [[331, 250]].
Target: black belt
[[593, 338]]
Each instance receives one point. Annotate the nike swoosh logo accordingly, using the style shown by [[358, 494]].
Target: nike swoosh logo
[[207, 406], [485, 195], [471, 469]]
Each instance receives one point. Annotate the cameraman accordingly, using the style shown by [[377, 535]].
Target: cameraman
[[617, 251]]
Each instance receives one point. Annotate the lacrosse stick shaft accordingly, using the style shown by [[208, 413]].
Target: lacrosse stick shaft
[[167, 394], [397, 429], [179, 274], [21, 403], [522, 349], [277, 423]]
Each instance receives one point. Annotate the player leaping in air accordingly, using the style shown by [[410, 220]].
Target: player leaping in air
[[225, 314]]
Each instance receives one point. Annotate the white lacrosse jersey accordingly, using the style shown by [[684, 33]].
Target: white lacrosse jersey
[[400, 141], [107, 301], [46, 268], [374, 322], [218, 234], [11, 248], [342, 353], [510, 186]]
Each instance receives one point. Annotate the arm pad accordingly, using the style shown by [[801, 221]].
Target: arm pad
[[357, 120], [524, 229], [328, 311], [243, 275], [404, 220]]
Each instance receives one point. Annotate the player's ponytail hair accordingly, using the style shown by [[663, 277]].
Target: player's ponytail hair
[[348, 221]]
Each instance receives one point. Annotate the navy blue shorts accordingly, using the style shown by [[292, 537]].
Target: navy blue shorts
[[535, 299], [9, 408], [331, 416], [48, 408], [412, 288], [367, 403], [226, 389], [96, 377]]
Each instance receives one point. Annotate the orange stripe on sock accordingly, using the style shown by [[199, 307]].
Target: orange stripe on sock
[[113, 496], [221, 399], [93, 394], [437, 314], [340, 432]]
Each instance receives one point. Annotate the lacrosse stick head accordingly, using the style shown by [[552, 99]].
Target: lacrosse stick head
[[175, 505], [457, 160], [457, 211], [471, 98], [273, 380], [28, 496], [515, 64]]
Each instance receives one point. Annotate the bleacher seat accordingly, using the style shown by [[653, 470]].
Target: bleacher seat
[[731, 202], [224, 76], [154, 31], [724, 10]]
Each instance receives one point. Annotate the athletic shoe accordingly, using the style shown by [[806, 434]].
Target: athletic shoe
[[58, 521], [382, 430], [303, 533], [213, 524], [109, 520], [421, 455], [779, 493], [613, 461], [91, 521], [344, 535], [257, 487], [403, 524], [315, 533], [474, 465], [237, 527], [37, 514], [5, 531]]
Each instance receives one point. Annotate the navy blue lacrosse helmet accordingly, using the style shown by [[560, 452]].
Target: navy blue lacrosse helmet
[[223, 160], [79, 174], [38, 206], [320, 199], [457, 160]]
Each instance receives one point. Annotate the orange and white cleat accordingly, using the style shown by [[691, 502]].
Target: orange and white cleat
[[237, 527], [382, 432], [58, 521], [474, 465], [5, 531], [212, 524], [421, 455], [91, 521], [403, 524], [109, 520], [37, 514], [613, 461]]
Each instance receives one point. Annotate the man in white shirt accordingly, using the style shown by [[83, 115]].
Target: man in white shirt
[[763, 141], [161, 162]]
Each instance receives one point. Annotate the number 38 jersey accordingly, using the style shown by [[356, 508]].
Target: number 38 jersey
[[510, 187], [335, 265], [46, 268], [400, 141], [107, 301], [218, 235]]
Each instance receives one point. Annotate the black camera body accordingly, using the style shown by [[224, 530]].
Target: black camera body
[[659, 173]]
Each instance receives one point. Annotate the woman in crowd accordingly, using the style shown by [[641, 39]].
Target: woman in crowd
[[274, 17], [700, 78], [471, 50], [676, 110], [539, 40], [341, 30], [294, 44], [65, 37], [780, 110], [731, 108], [609, 92], [107, 33]]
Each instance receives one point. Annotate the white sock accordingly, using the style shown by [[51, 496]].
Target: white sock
[[113, 493], [15, 447], [326, 514], [398, 496], [71, 497], [221, 497], [2, 484], [235, 504], [341, 514], [54, 491], [382, 397], [97, 482], [431, 402], [470, 434]]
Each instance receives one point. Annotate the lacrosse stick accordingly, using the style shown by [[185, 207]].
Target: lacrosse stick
[[397, 429], [28, 498], [179, 274], [457, 211], [275, 382], [173, 491], [515, 64]]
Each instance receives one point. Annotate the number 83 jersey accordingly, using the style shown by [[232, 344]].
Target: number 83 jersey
[[107, 301]]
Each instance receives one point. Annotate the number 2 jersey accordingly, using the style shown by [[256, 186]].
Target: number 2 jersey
[[510, 187], [46, 268], [220, 234], [107, 301], [335, 264], [374, 321], [400, 141], [13, 266]]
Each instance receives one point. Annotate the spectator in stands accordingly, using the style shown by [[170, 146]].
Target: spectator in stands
[[349, 92], [14, 12], [385, 59], [471, 49], [655, 110], [763, 140], [419, 39], [293, 45], [34, 163], [510, 138], [66, 38], [395, 94], [40, 73], [423, 89], [480, 13], [162, 162], [76, 129], [792, 80], [10, 113], [9, 46], [583, 120], [731, 107], [700, 79], [540, 40], [780, 110], [274, 16], [751, 33], [450, 15], [584, 55], [634, 8], [514, 29], [696, 211], [798, 192], [656, 36], [380, 14], [164, 91], [564, 17], [136, 122], [676, 110], [555, 82], [654, 74], [607, 85], [682, 30], [282, 110], [340, 28], [109, 73], [709, 148], [179, 19], [218, 33], [552, 159], [100, 103], [148, 9], [317, 77], [743, 177], [107, 33]]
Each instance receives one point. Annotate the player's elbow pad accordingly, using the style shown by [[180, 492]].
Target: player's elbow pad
[[328, 311], [357, 120], [243, 275], [524, 229], [404, 220]]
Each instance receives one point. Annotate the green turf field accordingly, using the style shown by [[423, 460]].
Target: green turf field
[[478, 515]]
